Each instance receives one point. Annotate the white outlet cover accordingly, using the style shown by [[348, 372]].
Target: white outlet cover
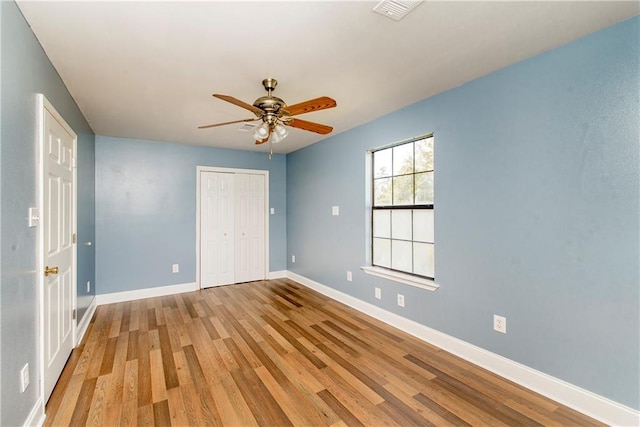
[[499, 324], [335, 210], [293, 258], [349, 276], [401, 300], [88, 286], [175, 268], [272, 210], [378, 293]]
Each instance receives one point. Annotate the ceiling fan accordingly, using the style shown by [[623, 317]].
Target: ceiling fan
[[274, 113]]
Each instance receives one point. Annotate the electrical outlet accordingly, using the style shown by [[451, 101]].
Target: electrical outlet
[[88, 286], [272, 211], [349, 276], [401, 300], [293, 258], [378, 293], [499, 323], [335, 210], [175, 268], [24, 378]]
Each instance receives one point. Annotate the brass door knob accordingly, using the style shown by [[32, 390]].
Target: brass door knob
[[50, 270]]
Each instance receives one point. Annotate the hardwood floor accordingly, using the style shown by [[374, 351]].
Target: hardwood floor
[[279, 354]]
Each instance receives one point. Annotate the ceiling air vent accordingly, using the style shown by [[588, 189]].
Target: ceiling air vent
[[396, 9], [248, 127]]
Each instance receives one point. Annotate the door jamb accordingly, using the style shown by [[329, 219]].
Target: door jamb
[[199, 170], [43, 104]]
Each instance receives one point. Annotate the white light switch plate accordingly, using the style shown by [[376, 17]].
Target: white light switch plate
[[335, 210], [34, 217]]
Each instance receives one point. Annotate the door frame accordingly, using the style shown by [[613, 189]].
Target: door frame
[[265, 173], [43, 105]]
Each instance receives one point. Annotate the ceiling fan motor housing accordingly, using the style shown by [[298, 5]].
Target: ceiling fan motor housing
[[269, 104]]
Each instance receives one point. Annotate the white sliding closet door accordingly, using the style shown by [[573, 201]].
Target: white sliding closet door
[[232, 228], [249, 219], [217, 229]]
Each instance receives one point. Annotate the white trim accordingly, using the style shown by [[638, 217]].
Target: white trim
[[281, 274], [159, 291], [36, 416], [199, 170], [407, 279], [83, 324], [582, 400]]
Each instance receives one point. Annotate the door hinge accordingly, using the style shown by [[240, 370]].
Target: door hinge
[[74, 238], [75, 314]]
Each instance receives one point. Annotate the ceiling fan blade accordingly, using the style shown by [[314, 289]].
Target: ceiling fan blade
[[227, 123], [310, 126], [311, 105], [239, 103]]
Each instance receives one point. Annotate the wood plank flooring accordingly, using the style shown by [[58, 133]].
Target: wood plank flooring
[[276, 353]]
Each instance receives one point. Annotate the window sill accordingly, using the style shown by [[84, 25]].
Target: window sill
[[408, 279]]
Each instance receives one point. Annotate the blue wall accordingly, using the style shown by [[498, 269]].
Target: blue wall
[[537, 212], [26, 71], [146, 210]]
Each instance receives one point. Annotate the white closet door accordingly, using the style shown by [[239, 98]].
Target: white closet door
[[217, 229], [249, 227]]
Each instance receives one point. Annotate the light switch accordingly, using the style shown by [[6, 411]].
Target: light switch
[[34, 217], [335, 210], [273, 211]]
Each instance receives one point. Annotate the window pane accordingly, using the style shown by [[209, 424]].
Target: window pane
[[382, 163], [402, 258], [382, 252], [382, 224], [423, 225], [401, 224], [424, 188], [382, 192], [403, 159], [423, 259], [424, 155], [403, 190]]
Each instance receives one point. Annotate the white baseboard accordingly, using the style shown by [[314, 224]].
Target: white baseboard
[[581, 400], [145, 293], [277, 274], [82, 327], [36, 416]]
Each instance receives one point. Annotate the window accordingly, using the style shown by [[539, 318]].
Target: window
[[402, 208]]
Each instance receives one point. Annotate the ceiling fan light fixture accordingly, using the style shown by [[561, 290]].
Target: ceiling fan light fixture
[[262, 132], [279, 133]]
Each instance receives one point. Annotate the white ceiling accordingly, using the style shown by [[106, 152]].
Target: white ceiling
[[147, 69]]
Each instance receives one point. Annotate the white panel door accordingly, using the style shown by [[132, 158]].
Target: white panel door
[[216, 229], [58, 196], [250, 227]]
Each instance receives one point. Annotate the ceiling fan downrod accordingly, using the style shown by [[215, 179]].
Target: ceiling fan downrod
[[269, 85]]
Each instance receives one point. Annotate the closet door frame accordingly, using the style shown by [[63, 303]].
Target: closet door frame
[[199, 171]]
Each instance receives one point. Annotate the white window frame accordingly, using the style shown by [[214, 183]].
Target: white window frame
[[383, 272]]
